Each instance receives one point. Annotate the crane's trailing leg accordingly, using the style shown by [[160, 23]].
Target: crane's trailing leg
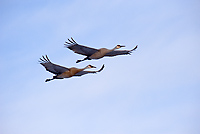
[[48, 80], [87, 58], [54, 77]]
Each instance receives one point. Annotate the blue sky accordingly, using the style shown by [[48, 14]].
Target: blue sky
[[154, 91]]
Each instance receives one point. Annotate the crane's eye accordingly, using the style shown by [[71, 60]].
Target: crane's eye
[[118, 46]]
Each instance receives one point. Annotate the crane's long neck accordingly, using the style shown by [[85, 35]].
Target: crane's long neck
[[76, 70], [84, 68], [110, 50]]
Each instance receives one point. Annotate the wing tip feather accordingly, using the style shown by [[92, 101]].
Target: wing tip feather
[[44, 59], [101, 68], [135, 48], [70, 43]]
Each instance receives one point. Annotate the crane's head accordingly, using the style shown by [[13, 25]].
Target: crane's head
[[90, 66], [119, 46]]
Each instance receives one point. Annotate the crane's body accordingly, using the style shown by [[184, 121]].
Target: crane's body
[[63, 72], [93, 53], [69, 73], [100, 53]]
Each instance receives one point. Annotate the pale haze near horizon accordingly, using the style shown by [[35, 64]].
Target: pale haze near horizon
[[154, 91]]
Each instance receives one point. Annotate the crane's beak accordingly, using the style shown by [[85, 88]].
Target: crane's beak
[[92, 66], [122, 46]]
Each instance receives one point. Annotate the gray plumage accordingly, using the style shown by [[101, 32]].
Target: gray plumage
[[93, 53], [51, 67]]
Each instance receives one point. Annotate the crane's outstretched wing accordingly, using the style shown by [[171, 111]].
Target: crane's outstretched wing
[[86, 72], [120, 52], [79, 49], [53, 68]]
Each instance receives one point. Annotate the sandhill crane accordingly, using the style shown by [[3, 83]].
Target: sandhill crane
[[93, 53], [63, 72]]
